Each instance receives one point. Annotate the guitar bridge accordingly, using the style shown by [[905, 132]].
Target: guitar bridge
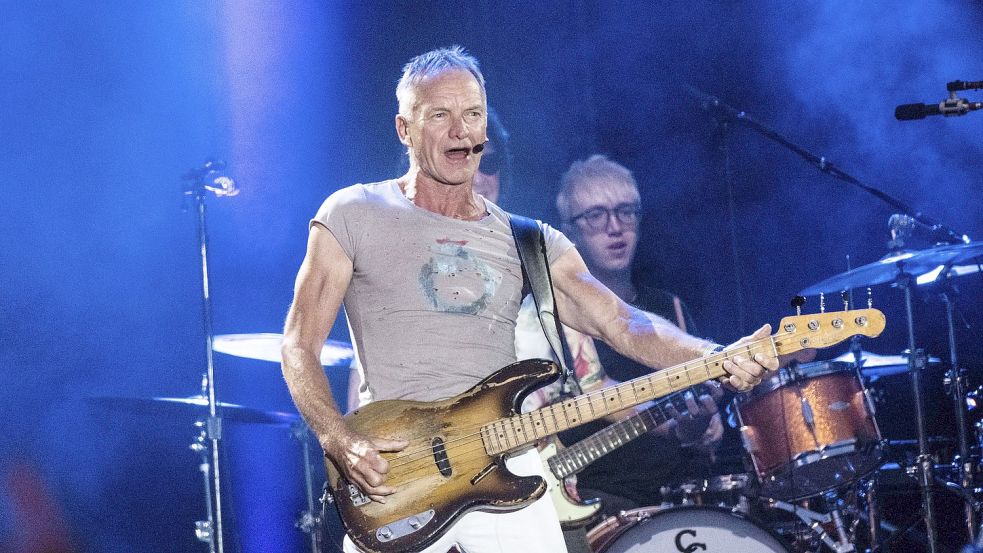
[[404, 527]]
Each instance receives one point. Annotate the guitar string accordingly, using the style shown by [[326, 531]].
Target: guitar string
[[466, 456], [661, 379]]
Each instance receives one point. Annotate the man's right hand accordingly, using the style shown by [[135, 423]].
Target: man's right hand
[[358, 458]]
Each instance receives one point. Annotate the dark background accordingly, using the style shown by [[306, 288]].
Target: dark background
[[105, 106]]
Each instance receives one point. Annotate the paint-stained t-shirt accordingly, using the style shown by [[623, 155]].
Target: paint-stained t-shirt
[[433, 300]]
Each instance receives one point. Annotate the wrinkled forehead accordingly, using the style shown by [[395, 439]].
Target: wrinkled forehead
[[602, 192], [452, 83]]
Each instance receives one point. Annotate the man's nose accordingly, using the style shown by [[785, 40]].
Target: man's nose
[[614, 225], [460, 129]]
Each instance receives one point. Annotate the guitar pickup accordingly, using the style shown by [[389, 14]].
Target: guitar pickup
[[440, 457]]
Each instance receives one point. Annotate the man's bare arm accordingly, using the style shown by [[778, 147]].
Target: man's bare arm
[[318, 292], [585, 304]]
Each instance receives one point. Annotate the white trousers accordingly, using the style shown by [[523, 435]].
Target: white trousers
[[533, 529]]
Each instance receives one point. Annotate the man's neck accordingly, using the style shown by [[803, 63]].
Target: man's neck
[[450, 200]]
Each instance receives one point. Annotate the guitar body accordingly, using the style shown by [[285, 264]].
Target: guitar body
[[571, 512], [445, 470]]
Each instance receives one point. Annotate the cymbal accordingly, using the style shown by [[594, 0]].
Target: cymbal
[[886, 269], [194, 407], [877, 365], [265, 346]]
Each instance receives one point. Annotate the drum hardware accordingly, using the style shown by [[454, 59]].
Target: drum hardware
[[807, 429], [196, 408], [309, 520], [840, 543], [956, 381], [691, 528], [874, 365], [902, 267], [724, 490], [265, 346]]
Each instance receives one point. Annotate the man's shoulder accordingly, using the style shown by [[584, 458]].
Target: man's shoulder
[[362, 192]]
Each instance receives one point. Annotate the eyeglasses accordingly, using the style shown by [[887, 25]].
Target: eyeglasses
[[491, 163], [598, 218]]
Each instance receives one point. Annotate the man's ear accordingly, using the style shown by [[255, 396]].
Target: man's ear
[[403, 131]]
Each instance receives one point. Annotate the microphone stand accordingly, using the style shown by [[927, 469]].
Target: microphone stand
[[721, 111], [725, 113], [202, 180]]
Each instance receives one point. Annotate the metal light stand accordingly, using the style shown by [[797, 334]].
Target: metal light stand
[[205, 179]]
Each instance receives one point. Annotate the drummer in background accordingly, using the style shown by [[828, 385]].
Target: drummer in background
[[600, 208]]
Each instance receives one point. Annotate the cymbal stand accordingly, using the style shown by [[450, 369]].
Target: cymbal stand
[[202, 180], [916, 362], [957, 387], [309, 520]]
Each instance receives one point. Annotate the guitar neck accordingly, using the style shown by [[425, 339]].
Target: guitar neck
[[517, 431], [574, 458]]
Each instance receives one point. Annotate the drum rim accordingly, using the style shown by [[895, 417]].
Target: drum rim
[[730, 511], [875, 454]]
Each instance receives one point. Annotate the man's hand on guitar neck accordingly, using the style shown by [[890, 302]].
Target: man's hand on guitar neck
[[357, 458], [747, 372]]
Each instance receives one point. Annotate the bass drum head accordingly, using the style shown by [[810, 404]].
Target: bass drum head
[[695, 529]]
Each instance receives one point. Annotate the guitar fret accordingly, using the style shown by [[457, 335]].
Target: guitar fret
[[529, 429], [546, 426], [503, 434]]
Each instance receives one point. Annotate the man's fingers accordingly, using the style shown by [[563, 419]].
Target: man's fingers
[[709, 404]]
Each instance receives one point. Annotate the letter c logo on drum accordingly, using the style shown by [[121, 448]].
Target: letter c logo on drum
[[691, 548]]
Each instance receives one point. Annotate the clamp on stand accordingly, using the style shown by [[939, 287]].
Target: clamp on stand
[[309, 521]]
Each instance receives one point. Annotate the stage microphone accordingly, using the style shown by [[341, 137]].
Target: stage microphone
[[949, 108], [956, 86], [478, 148]]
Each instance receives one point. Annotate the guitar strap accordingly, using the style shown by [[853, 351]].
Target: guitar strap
[[531, 245]]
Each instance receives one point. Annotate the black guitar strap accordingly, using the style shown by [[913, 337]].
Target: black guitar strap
[[531, 244]]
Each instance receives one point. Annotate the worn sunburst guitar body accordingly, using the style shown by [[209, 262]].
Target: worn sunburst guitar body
[[455, 460]]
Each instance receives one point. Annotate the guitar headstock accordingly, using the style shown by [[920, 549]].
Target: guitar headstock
[[822, 330]]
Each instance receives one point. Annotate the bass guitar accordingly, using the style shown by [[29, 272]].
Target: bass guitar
[[455, 460]]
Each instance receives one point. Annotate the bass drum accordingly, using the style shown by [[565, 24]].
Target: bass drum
[[689, 529]]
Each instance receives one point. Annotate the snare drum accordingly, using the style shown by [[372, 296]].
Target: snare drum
[[809, 429], [694, 528]]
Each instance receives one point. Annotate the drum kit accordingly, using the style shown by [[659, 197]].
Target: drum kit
[[814, 453]]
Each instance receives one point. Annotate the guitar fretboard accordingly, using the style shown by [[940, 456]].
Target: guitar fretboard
[[576, 457], [510, 433]]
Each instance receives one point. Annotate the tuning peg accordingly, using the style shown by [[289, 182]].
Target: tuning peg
[[797, 302]]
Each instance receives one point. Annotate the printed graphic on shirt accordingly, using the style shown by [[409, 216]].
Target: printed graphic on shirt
[[455, 281]]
